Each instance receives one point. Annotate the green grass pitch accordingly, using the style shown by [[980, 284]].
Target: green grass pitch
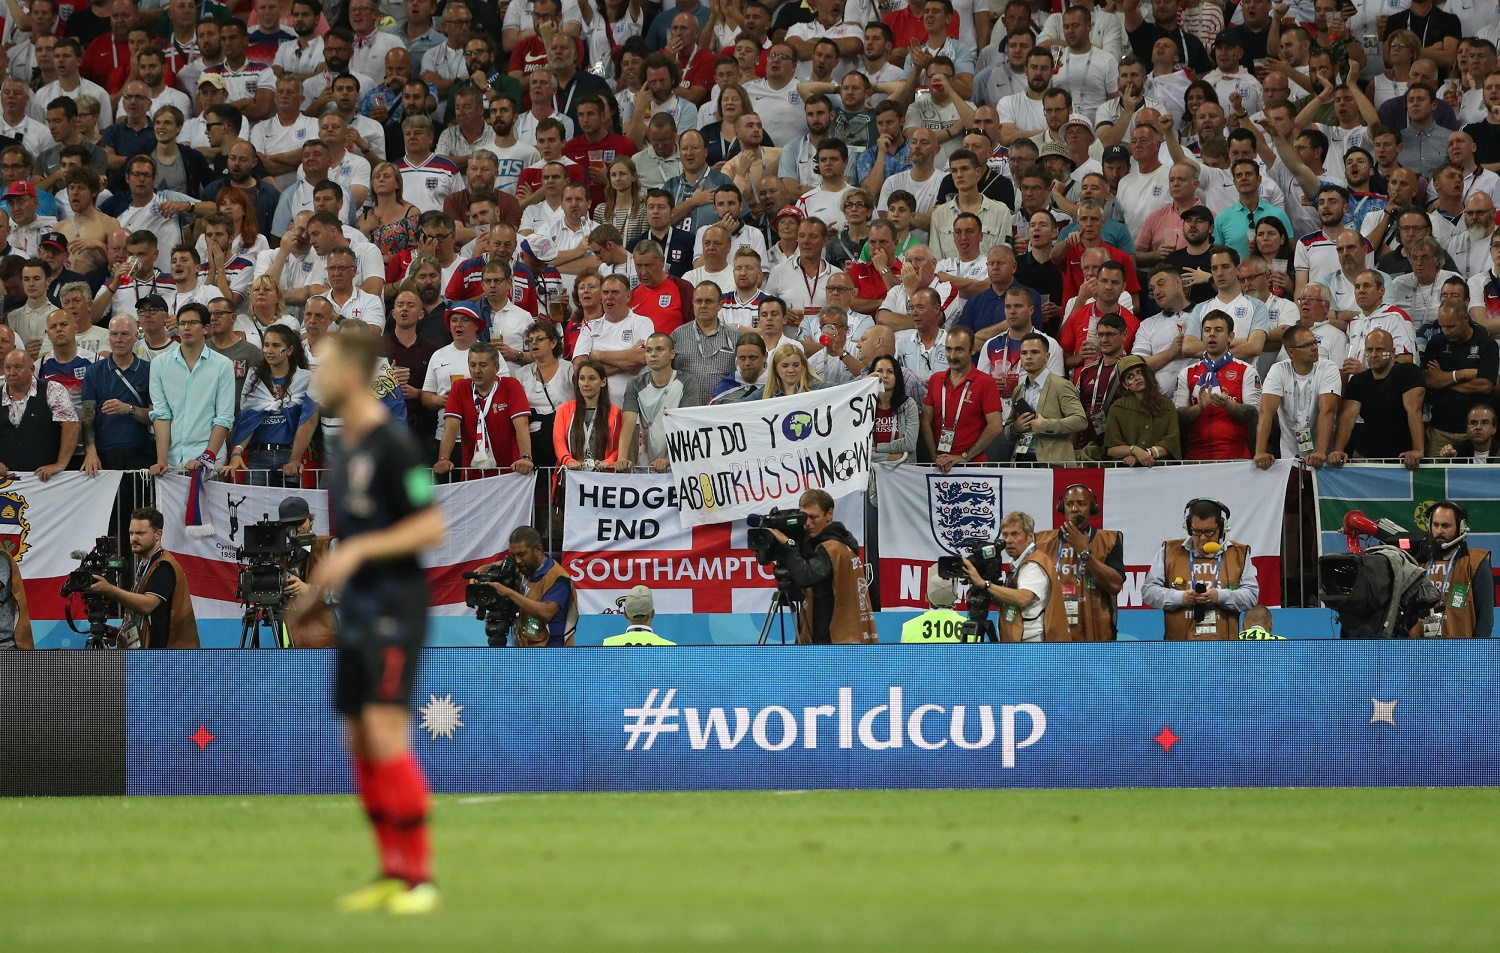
[[1206, 871]]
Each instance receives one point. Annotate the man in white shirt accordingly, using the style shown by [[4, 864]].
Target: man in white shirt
[[350, 171], [1375, 315], [1020, 114], [1145, 190], [1302, 393], [1312, 313], [67, 57], [1420, 290], [775, 99], [278, 140], [427, 179], [715, 266], [1470, 248], [370, 42], [1089, 73], [921, 180], [1230, 76], [1159, 338], [549, 210], [826, 202], [617, 340], [349, 302], [15, 96], [1250, 322], [570, 233]]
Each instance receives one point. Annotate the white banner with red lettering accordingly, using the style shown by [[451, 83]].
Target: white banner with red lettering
[[625, 529], [924, 514], [42, 524], [481, 515]]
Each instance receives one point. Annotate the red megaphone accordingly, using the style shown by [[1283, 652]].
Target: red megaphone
[[1357, 524]]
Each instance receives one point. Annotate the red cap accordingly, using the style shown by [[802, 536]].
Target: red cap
[[21, 187]]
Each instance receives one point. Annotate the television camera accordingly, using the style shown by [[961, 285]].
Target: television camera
[[988, 558], [1379, 591], [497, 612], [272, 554], [103, 560], [759, 540]]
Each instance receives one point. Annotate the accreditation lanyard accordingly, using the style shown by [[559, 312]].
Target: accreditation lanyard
[[1447, 582], [963, 398], [482, 432], [1099, 381], [1304, 400], [145, 569], [1009, 361], [1015, 571], [812, 286]]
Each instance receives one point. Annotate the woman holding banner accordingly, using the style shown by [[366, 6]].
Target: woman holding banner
[[790, 373], [580, 442]]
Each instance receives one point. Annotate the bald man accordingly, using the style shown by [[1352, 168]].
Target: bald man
[[1386, 400]]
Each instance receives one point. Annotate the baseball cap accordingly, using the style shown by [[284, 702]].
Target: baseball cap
[[468, 311], [294, 510], [539, 247], [212, 79], [638, 603], [791, 210], [54, 238], [1200, 212], [21, 187], [940, 591], [1229, 38], [1115, 154], [1079, 119], [151, 303]]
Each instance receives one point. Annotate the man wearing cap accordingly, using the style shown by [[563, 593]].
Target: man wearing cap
[[639, 609], [547, 612], [1231, 76], [939, 623], [53, 251], [117, 405], [26, 227], [1165, 229], [450, 363], [314, 627], [155, 340]]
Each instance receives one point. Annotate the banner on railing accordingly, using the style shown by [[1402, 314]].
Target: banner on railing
[[732, 460], [625, 529], [1390, 491], [924, 514], [481, 515], [42, 524]]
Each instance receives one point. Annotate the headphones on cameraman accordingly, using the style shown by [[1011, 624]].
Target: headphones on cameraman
[[1093, 499], [1460, 512], [1223, 517]]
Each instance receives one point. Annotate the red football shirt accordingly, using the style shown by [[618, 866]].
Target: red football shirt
[[669, 305], [605, 151], [1073, 271], [508, 402], [1075, 329], [962, 408]]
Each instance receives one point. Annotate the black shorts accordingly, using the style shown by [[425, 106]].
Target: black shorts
[[380, 637]]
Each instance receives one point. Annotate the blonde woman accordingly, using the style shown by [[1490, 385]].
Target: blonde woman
[[624, 205], [391, 223], [790, 373], [267, 309]]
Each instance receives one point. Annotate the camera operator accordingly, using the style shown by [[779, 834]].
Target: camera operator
[[1467, 608], [1204, 582], [828, 570], [158, 606], [1089, 565], [1030, 612], [548, 613], [15, 619], [312, 627], [640, 608]]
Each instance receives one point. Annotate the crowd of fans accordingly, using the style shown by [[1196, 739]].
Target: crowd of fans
[[1171, 231]]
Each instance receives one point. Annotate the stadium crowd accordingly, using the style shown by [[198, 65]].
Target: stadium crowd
[[1131, 232]]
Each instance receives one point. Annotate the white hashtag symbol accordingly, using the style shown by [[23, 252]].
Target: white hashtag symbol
[[650, 719]]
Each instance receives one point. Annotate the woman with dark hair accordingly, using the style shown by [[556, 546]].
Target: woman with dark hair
[[1141, 427], [1198, 93], [586, 434], [547, 386], [265, 432], [719, 135], [1272, 243], [896, 414]]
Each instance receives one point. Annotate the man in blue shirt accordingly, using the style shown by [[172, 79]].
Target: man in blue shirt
[[986, 310], [117, 406], [192, 394]]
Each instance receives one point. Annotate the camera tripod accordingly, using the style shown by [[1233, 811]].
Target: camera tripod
[[258, 617], [980, 627], [786, 602]]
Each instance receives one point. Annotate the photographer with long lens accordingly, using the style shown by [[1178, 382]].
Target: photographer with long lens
[[1030, 610], [826, 566], [15, 619], [158, 608], [1461, 575], [546, 614]]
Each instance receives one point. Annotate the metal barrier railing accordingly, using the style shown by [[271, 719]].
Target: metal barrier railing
[[1299, 541]]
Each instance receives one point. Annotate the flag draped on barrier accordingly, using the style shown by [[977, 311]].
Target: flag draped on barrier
[[732, 460], [481, 515], [626, 529], [1389, 491], [41, 524], [925, 514]]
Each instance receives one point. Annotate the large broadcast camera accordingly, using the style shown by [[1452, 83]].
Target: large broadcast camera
[[1380, 591], [496, 611], [270, 547], [758, 539], [989, 559], [103, 560]]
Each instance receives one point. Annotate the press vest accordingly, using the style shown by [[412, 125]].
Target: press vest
[[1054, 618], [533, 632], [1179, 624], [1096, 617], [1457, 606]]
